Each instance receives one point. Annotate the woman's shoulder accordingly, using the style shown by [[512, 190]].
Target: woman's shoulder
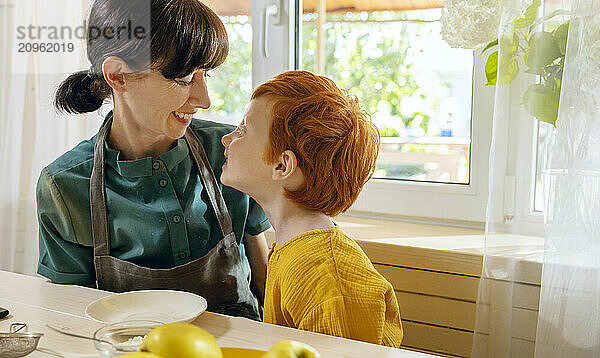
[[79, 158]]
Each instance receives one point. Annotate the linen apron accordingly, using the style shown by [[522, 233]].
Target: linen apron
[[217, 276]]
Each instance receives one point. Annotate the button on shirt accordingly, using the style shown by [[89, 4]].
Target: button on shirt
[[158, 210]]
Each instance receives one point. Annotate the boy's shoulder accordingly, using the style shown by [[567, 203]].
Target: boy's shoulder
[[334, 261], [318, 248]]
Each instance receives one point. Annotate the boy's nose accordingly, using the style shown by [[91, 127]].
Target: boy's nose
[[225, 139]]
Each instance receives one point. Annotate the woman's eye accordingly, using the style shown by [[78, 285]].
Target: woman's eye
[[183, 83]]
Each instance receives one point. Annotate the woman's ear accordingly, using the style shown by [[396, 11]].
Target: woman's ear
[[285, 166], [114, 70]]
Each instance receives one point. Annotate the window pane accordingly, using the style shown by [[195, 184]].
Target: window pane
[[417, 89], [230, 85], [543, 132]]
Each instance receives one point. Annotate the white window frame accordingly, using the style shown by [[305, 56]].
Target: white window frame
[[519, 215], [463, 203], [280, 35], [522, 160]]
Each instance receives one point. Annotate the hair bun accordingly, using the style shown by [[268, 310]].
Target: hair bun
[[79, 94]]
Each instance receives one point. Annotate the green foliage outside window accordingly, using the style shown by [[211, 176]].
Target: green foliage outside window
[[366, 59], [362, 56], [231, 83]]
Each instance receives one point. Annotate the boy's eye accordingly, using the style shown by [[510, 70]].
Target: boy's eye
[[241, 130]]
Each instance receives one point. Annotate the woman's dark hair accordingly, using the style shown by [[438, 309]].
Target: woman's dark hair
[[184, 35]]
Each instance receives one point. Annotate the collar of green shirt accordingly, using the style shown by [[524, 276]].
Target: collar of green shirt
[[143, 167]]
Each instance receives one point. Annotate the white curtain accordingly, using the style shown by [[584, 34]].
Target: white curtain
[[32, 134], [538, 298], [508, 294], [569, 313]]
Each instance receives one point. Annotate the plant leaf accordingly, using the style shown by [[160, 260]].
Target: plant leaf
[[543, 50], [508, 71], [560, 35], [541, 103], [509, 47], [548, 17], [529, 16], [490, 45], [491, 69]]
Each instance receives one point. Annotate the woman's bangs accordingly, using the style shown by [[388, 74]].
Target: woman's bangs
[[188, 37]]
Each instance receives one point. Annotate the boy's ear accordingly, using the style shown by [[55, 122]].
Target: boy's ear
[[285, 166]]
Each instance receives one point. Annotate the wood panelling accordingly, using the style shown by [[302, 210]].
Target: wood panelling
[[437, 339], [422, 258], [430, 283], [436, 310], [460, 287]]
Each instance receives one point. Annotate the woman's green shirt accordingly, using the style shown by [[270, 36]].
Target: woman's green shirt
[[157, 209]]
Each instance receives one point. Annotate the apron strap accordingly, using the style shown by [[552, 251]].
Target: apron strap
[[210, 182], [100, 236]]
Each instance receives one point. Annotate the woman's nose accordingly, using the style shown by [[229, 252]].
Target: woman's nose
[[199, 97]]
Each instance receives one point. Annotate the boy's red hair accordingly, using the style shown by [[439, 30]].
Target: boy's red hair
[[334, 140]]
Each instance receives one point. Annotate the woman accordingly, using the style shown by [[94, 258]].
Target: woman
[[138, 206]]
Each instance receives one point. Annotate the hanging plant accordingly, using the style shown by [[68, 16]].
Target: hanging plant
[[542, 53]]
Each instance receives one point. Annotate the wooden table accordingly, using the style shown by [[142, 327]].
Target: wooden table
[[36, 301]]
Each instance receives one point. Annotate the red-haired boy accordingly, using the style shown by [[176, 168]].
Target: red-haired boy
[[303, 151]]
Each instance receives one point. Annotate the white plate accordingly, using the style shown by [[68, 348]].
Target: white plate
[[156, 305]]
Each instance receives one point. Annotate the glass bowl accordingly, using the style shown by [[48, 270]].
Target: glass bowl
[[125, 337]]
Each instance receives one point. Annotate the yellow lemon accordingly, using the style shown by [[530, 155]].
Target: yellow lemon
[[181, 340]]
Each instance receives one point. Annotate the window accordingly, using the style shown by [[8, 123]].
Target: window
[[230, 84], [436, 128], [390, 60]]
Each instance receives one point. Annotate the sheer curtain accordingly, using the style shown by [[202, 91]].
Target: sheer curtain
[[569, 314], [542, 297], [508, 295], [32, 134]]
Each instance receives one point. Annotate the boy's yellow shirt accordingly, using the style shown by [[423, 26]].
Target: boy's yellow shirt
[[321, 281]]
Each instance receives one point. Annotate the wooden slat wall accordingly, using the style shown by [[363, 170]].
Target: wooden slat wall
[[438, 308]]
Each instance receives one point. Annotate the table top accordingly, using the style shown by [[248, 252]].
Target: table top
[[37, 302]]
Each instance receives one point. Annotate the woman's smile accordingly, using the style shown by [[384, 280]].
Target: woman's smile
[[184, 118]]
